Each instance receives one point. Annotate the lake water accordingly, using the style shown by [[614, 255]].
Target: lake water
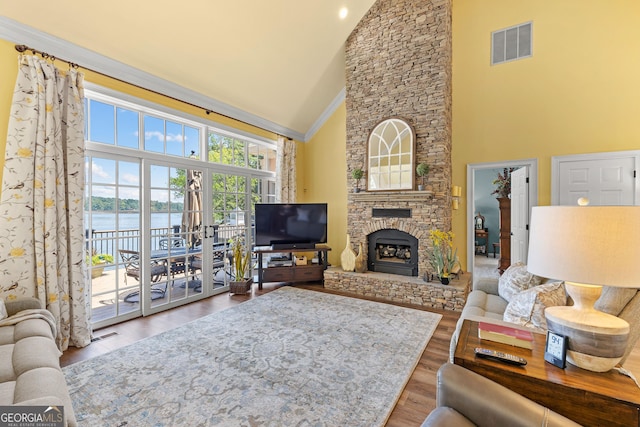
[[130, 221]]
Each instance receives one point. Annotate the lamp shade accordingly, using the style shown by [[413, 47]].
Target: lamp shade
[[595, 245]]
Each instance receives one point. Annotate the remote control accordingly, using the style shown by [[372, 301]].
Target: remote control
[[500, 357]]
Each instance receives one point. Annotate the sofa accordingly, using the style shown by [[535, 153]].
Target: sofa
[[465, 398], [495, 299], [30, 371]]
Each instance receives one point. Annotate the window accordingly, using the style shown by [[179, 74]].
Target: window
[[113, 121], [229, 150]]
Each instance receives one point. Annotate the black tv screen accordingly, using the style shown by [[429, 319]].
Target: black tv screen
[[291, 225]]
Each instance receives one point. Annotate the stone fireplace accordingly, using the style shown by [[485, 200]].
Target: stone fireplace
[[398, 64]]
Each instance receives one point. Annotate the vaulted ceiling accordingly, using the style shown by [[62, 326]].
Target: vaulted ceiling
[[277, 63]]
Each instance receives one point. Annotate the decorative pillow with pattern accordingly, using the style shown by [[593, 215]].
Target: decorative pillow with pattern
[[516, 279], [527, 307]]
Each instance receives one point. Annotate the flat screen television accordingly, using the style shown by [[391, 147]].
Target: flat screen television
[[291, 225]]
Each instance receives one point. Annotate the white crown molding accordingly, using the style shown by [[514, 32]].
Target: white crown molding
[[326, 114], [18, 33]]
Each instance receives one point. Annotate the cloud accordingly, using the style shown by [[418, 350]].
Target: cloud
[[130, 178], [97, 170], [128, 193], [154, 135], [160, 136]]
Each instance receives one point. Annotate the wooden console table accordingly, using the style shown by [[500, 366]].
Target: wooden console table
[[588, 398], [294, 273], [482, 246]]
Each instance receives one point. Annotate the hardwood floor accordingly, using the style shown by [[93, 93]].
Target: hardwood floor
[[417, 400]]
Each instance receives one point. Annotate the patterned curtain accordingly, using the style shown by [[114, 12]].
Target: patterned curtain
[[286, 171], [41, 206]]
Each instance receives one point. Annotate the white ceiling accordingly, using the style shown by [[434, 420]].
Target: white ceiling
[[277, 63]]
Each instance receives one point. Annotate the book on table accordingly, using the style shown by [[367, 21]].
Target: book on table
[[505, 335]]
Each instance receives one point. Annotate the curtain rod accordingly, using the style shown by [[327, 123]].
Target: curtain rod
[[23, 48]]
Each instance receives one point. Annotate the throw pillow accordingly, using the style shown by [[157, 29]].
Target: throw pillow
[[527, 307], [613, 300], [516, 279], [3, 310]]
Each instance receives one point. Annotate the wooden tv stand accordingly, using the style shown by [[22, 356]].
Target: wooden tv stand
[[293, 273]]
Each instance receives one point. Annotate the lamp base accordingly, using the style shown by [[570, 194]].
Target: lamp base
[[597, 340]]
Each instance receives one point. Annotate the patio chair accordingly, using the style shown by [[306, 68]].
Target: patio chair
[[219, 252], [131, 261]]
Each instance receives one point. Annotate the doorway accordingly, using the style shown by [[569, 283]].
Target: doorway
[[480, 185]]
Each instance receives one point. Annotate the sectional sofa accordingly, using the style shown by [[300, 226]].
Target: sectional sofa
[[30, 371]]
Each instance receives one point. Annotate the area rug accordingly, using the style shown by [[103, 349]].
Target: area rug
[[292, 357]]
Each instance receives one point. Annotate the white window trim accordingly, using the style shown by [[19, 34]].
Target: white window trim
[[111, 96]]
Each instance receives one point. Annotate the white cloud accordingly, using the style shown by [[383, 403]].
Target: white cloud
[[97, 170], [154, 134], [174, 138], [130, 178], [160, 136], [128, 193]]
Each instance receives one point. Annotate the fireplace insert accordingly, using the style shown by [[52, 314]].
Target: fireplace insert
[[393, 251]]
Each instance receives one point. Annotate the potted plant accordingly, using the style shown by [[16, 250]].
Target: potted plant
[[240, 267], [422, 170], [97, 262], [443, 258], [357, 174], [503, 183]]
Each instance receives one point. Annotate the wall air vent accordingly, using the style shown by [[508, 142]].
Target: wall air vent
[[512, 43]]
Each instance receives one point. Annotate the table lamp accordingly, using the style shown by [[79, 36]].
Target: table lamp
[[587, 247]]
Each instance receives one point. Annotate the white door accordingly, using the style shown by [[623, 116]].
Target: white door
[[603, 178], [519, 215]]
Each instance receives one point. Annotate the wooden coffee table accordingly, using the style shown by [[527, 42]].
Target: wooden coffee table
[[588, 398]]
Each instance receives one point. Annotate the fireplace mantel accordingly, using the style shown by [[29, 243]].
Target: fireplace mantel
[[395, 196]]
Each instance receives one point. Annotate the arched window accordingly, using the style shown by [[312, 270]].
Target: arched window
[[391, 156]]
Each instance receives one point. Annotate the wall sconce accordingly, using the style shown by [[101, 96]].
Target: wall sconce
[[456, 193]]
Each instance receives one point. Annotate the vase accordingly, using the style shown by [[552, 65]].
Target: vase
[[444, 280], [348, 257], [97, 271], [361, 262]]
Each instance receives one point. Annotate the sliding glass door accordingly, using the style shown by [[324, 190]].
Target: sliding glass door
[[160, 233], [113, 219], [174, 243]]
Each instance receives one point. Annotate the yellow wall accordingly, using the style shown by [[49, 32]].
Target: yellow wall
[[8, 73], [322, 167], [578, 93]]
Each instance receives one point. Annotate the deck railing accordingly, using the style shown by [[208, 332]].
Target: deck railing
[[111, 241]]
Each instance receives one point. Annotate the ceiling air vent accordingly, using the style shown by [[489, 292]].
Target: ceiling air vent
[[511, 43]]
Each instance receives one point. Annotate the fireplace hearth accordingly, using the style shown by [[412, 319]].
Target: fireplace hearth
[[393, 251]]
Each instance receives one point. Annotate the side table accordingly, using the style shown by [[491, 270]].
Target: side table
[[588, 398]]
